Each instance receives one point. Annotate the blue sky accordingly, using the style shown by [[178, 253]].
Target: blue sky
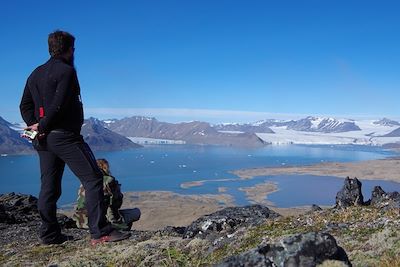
[[213, 60]]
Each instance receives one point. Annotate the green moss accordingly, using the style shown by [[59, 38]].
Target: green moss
[[176, 257], [219, 254], [2, 258]]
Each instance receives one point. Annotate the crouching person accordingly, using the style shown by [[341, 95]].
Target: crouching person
[[120, 219]]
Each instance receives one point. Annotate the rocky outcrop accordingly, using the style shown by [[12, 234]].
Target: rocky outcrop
[[350, 194], [18, 208], [381, 199], [305, 250], [227, 220]]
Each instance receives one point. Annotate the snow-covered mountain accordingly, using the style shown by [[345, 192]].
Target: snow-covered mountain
[[313, 130], [308, 124], [313, 124], [324, 125], [387, 122]]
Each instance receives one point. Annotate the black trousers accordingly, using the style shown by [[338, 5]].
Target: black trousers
[[60, 148]]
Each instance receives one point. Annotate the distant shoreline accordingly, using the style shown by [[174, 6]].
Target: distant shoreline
[[381, 169]]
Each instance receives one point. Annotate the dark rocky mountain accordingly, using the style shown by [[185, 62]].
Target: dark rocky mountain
[[100, 138], [10, 140], [387, 122], [394, 133], [195, 132]]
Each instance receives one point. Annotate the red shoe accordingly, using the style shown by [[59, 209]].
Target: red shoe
[[113, 236]]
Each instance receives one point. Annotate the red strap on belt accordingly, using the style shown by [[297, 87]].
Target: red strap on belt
[[41, 112]]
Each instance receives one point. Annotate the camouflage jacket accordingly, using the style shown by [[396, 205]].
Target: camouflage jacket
[[113, 198]]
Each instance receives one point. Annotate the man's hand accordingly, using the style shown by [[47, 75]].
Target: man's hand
[[33, 127]]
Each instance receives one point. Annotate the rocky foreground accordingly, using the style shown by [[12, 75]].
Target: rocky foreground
[[353, 233]]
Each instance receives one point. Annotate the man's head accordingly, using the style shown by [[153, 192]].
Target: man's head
[[62, 44]]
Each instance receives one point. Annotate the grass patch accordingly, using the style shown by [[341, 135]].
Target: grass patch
[[175, 257], [2, 258]]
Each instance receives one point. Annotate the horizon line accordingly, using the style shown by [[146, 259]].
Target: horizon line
[[213, 114]]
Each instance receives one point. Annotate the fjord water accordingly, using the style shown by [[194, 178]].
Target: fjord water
[[165, 168]]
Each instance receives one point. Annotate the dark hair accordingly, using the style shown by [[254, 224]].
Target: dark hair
[[60, 42]]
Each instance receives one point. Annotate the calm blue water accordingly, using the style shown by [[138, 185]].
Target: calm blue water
[[166, 167]]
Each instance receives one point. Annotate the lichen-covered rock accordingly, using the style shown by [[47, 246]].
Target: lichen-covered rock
[[350, 194], [228, 220], [304, 250], [171, 231], [381, 199], [18, 208]]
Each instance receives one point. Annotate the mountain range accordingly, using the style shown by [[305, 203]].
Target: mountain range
[[195, 132], [117, 134], [308, 124], [309, 130]]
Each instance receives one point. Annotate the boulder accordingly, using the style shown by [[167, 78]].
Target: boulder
[[304, 250], [382, 199], [350, 194], [18, 208], [227, 220], [315, 207]]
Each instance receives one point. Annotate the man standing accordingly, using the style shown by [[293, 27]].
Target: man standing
[[51, 105]]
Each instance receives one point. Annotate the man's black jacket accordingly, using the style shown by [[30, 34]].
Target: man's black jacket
[[55, 87]]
